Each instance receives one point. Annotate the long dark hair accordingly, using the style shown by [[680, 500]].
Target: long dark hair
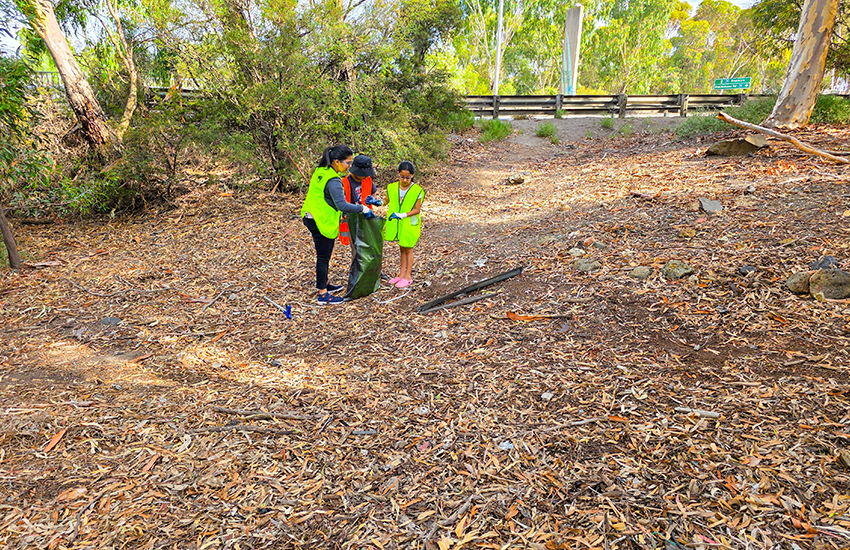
[[337, 152], [407, 165]]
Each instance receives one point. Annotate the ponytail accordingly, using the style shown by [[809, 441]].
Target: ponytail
[[337, 152], [407, 165]]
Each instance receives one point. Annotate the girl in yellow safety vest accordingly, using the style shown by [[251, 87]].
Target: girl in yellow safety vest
[[404, 223]]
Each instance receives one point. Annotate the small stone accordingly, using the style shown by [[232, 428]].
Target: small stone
[[687, 233], [676, 269], [599, 245], [517, 178], [506, 445], [798, 283], [576, 252], [693, 279], [747, 269], [110, 321], [547, 396], [641, 272], [831, 284], [232, 297], [216, 366], [422, 409], [709, 206], [276, 363], [585, 265], [750, 189], [826, 262]]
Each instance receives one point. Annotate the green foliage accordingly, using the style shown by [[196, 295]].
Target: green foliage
[[627, 129], [554, 140], [495, 130], [775, 25], [97, 193], [460, 122], [607, 122], [559, 113], [22, 164], [546, 129], [754, 111], [831, 109]]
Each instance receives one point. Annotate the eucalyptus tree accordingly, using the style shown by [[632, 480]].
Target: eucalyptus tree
[[806, 69], [41, 16], [629, 43]]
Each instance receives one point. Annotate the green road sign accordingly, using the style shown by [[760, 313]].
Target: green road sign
[[732, 83]]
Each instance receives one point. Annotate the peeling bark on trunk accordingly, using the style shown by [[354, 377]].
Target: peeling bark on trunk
[[80, 94], [805, 71]]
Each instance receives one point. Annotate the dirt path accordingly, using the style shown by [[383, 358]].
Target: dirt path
[[548, 415]]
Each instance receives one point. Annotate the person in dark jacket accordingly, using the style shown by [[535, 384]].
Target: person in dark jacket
[[323, 207]]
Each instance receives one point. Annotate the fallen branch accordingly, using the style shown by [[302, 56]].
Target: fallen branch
[[790, 139], [260, 415], [243, 428]]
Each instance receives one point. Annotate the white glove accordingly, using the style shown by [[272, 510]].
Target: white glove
[[366, 209]]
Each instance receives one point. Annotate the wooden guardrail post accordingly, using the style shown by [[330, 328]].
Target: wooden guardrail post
[[742, 98], [683, 105], [496, 101], [622, 100]]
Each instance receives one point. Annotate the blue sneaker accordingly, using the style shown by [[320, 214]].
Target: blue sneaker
[[328, 298], [335, 288]]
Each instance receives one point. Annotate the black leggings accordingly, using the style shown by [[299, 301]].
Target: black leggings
[[324, 249]]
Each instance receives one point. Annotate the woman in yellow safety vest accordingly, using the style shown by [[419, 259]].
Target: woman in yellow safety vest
[[322, 210], [404, 224]]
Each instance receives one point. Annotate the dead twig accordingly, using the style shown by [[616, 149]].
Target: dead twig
[[260, 415]]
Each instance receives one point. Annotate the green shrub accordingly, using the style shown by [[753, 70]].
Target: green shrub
[[607, 122], [460, 122], [754, 111], [627, 129], [559, 113], [830, 109], [494, 130], [555, 140], [546, 130]]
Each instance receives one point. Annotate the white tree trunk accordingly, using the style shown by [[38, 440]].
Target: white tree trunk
[[805, 71], [80, 94]]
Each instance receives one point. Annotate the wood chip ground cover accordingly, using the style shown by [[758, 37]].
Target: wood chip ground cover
[[708, 412]]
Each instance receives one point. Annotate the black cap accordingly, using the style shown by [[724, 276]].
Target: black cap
[[362, 166]]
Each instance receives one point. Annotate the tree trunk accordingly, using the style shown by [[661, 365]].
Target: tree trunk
[[80, 94], [9, 241], [805, 71], [125, 52]]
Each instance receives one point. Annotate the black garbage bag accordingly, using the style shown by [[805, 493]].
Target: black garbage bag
[[367, 254]]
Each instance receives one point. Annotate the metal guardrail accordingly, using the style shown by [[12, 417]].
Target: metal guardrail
[[519, 105], [621, 104]]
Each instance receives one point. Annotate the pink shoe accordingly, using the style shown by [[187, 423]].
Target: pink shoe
[[394, 280], [402, 283]]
